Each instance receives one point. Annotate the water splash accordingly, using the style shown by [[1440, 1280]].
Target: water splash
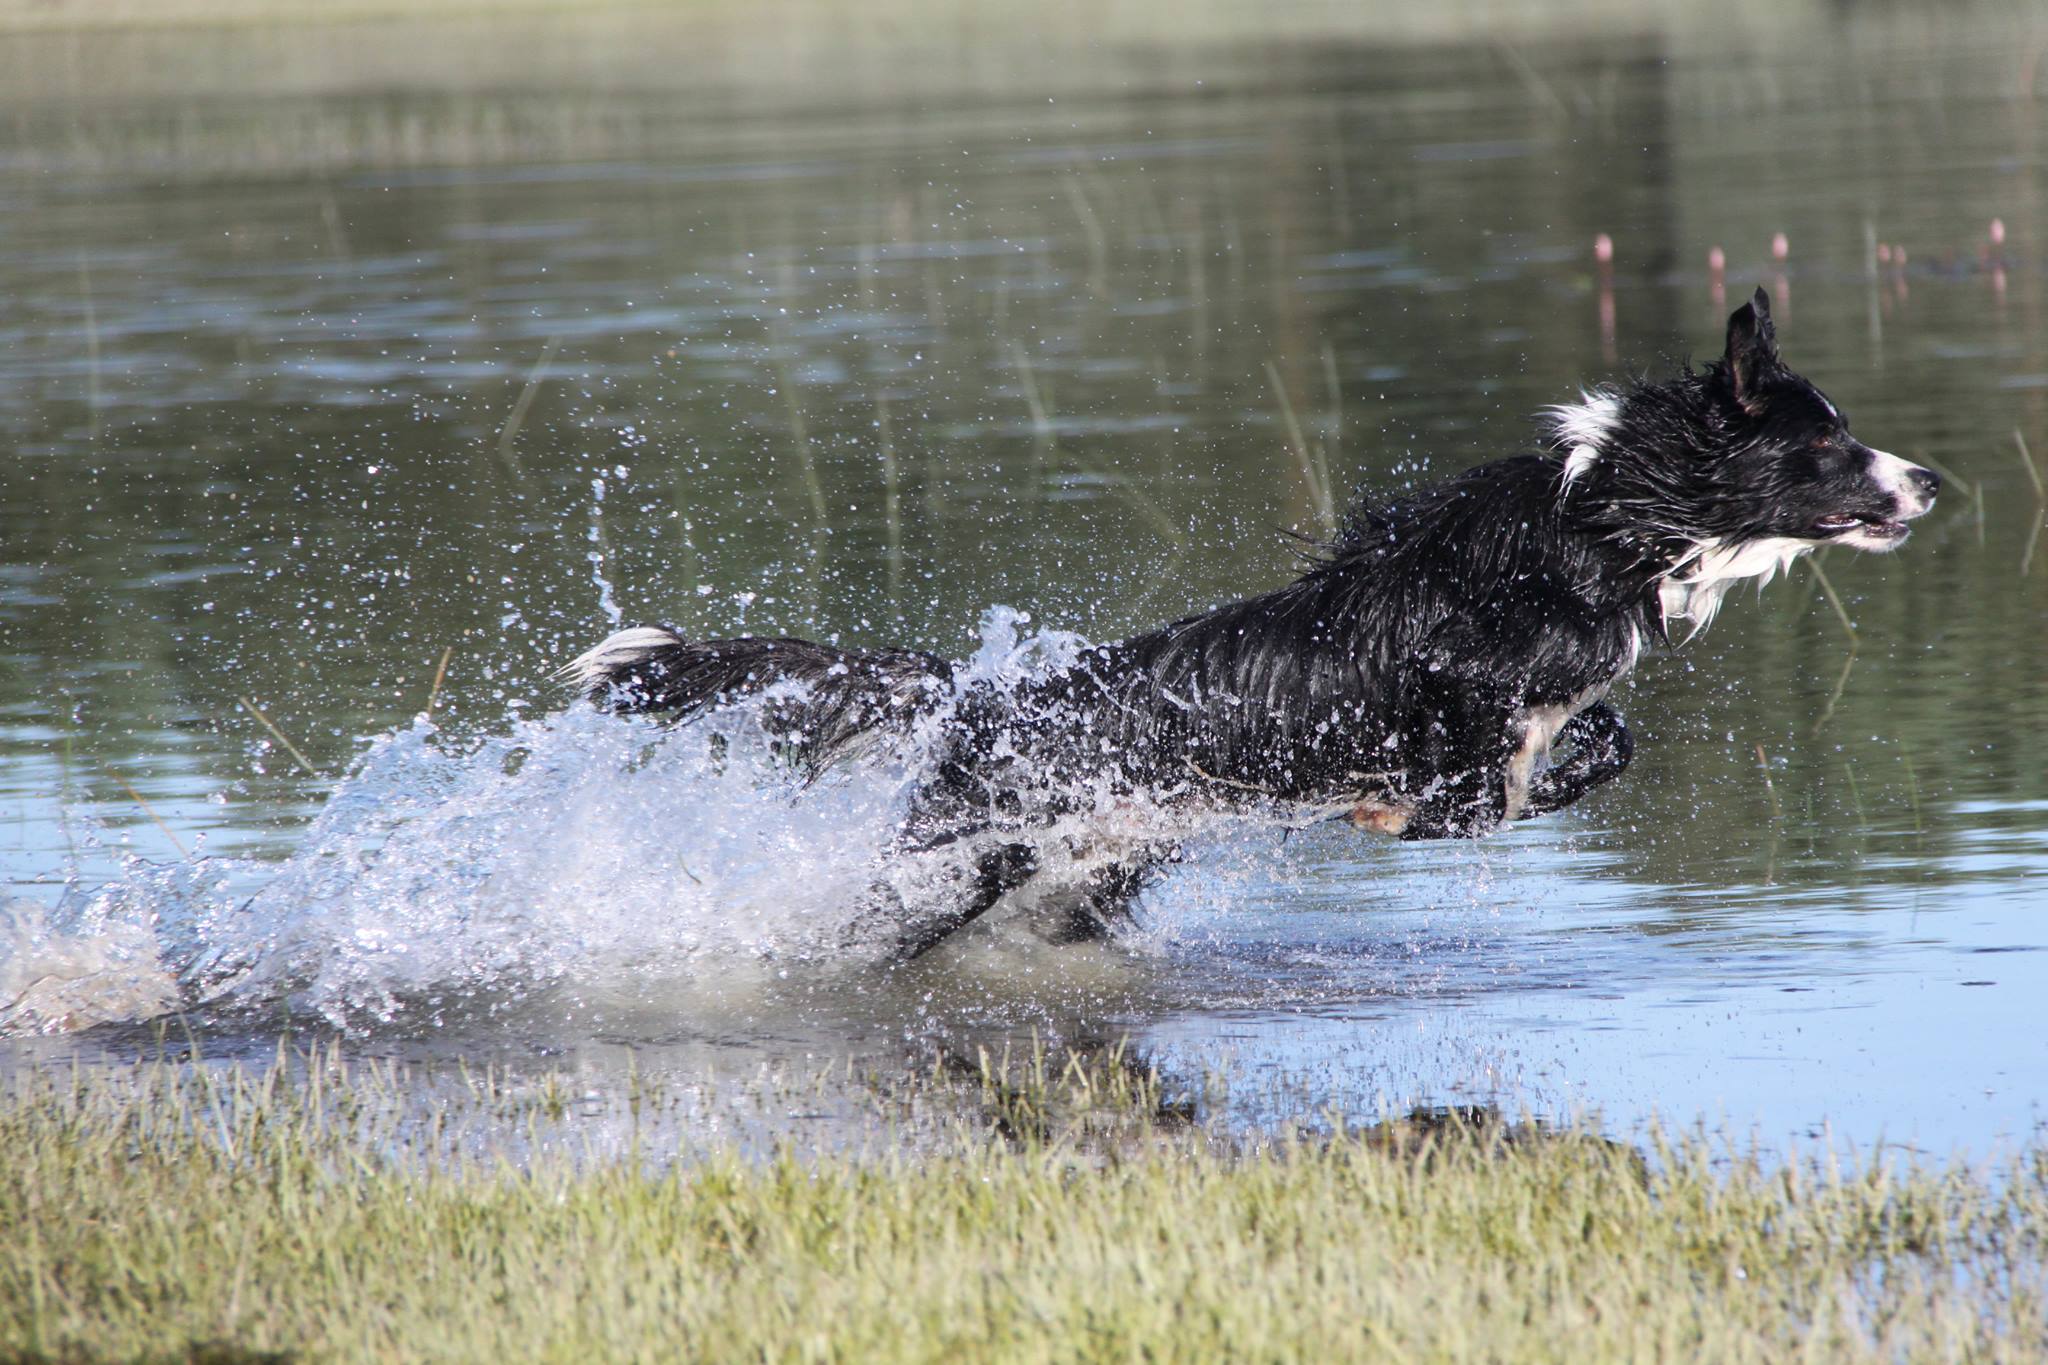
[[605, 600], [570, 854]]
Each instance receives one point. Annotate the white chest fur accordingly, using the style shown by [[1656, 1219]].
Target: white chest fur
[[1693, 591]]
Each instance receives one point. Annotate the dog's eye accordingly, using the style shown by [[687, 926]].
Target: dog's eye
[[1823, 441]]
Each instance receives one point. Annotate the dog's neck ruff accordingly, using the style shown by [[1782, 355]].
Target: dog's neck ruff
[[1692, 589]]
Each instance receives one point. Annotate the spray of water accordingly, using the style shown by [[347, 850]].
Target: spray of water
[[572, 853]]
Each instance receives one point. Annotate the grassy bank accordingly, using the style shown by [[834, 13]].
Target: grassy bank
[[150, 1215]]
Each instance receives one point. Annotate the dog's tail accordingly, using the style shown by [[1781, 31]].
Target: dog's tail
[[837, 698]]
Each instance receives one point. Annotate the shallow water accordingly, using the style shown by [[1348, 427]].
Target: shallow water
[[314, 387]]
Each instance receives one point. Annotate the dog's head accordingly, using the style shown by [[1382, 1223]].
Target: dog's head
[[1743, 455], [1788, 460]]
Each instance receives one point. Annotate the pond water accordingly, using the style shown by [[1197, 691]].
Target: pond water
[[356, 395]]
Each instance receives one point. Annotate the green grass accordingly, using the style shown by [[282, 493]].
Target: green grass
[[152, 1215]]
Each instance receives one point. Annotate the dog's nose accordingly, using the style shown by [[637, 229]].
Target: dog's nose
[[1925, 482]]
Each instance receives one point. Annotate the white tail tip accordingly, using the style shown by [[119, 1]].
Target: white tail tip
[[619, 650]]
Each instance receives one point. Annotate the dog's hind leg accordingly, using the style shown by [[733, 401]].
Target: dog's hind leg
[[990, 876], [958, 894], [960, 868], [1106, 897], [1601, 749]]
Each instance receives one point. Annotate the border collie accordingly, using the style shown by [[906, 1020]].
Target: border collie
[[1416, 675]]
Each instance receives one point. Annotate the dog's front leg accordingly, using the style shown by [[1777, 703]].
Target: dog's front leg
[[1468, 806], [1500, 784], [1468, 796], [1601, 749]]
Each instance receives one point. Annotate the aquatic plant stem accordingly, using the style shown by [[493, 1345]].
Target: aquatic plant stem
[[892, 498], [1312, 477], [1841, 613], [1913, 793], [1841, 685], [282, 737], [1763, 765], [517, 417], [807, 463], [1041, 422], [93, 396], [150, 811], [434, 692], [2033, 471], [2019, 441]]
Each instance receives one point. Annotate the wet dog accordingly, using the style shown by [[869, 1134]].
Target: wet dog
[[1417, 675]]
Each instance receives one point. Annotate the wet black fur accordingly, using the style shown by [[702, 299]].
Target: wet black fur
[[1398, 670]]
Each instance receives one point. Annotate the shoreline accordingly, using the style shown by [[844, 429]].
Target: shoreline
[[1052, 1216]]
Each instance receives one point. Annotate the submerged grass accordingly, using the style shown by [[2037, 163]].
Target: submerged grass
[[167, 1214]]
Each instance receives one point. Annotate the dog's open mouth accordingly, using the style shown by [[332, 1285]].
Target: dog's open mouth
[[1866, 524]]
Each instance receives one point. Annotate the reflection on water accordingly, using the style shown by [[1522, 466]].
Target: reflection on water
[[298, 422]]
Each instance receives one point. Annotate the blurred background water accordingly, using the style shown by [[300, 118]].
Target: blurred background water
[[359, 365]]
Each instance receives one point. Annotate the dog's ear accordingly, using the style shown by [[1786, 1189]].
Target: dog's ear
[[1752, 348]]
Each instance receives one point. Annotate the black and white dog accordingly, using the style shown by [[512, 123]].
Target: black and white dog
[[1416, 675]]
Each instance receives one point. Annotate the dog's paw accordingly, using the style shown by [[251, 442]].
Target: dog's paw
[[1381, 817]]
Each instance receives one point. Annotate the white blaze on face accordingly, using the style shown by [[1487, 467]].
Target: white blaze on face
[[1895, 476]]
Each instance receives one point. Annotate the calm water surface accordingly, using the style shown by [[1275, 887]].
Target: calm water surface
[[285, 436]]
